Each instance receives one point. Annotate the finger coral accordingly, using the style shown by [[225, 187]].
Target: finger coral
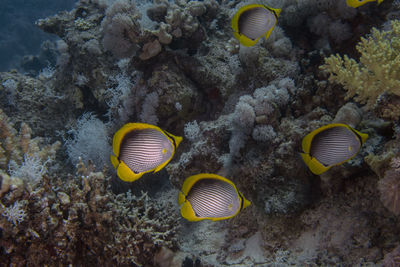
[[378, 69], [23, 156]]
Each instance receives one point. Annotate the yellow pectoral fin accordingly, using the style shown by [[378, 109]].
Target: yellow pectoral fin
[[247, 41], [188, 213], [314, 165], [126, 174], [306, 158], [114, 161], [380, 1]]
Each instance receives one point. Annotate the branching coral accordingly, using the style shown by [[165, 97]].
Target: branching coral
[[23, 156], [378, 70], [78, 220]]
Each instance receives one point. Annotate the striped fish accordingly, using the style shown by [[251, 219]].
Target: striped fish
[[335, 145], [144, 150], [210, 196], [331, 145], [254, 21], [213, 198], [139, 148]]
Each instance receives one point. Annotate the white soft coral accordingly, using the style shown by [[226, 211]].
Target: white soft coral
[[14, 213]]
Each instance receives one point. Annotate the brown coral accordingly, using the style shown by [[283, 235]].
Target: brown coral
[[78, 220], [389, 188]]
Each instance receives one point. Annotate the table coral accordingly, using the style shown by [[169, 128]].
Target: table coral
[[378, 69]]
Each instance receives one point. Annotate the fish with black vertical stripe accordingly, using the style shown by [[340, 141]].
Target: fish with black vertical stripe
[[139, 148], [331, 145], [210, 196], [253, 22]]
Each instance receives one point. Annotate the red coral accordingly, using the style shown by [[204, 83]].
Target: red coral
[[389, 188]]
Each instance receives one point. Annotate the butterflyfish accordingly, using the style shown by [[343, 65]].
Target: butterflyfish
[[331, 145], [210, 196], [357, 3], [139, 148], [254, 21]]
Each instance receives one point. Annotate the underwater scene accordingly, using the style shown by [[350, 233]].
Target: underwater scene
[[200, 133]]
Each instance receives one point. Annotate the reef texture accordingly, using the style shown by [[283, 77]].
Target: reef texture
[[243, 112], [78, 220]]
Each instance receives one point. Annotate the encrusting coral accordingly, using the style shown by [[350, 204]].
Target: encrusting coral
[[377, 72], [78, 220]]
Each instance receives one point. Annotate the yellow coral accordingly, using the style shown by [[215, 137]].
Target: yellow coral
[[378, 70]]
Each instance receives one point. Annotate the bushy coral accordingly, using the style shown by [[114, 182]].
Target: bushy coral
[[89, 140], [14, 213], [378, 69], [121, 28], [256, 114], [31, 169]]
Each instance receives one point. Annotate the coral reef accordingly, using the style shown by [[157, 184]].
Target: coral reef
[[243, 112], [35, 101], [78, 220]]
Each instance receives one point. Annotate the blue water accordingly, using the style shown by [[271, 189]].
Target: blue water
[[18, 34]]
